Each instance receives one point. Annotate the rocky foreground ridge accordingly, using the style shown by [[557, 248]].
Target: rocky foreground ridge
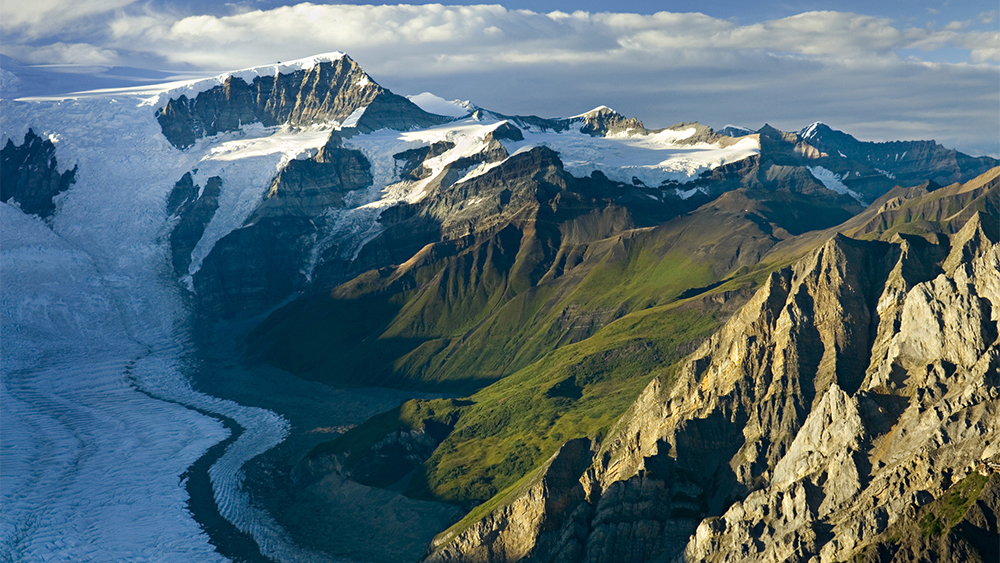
[[835, 415]]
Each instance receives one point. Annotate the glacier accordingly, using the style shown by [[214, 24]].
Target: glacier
[[99, 418], [97, 413]]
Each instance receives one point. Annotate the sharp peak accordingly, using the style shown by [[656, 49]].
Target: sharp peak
[[596, 111], [194, 87], [811, 129], [286, 67]]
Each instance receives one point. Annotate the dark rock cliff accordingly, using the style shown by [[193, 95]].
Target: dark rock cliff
[[604, 121], [260, 264], [906, 160], [194, 207], [870, 169], [857, 386], [510, 193], [31, 174], [329, 91]]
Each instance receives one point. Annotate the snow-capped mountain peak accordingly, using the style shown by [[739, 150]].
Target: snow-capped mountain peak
[[192, 88], [813, 129], [440, 106], [596, 111]]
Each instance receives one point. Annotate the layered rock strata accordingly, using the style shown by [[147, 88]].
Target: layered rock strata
[[325, 93], [857, 386], [261, 263]]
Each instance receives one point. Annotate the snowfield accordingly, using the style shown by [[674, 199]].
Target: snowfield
[[97, 415], [96, 432], [833, 182]]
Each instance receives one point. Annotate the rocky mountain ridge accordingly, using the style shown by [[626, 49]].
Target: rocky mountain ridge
[[31, 174], [866, 168], [857, 386], [671, 344], [328, 91]]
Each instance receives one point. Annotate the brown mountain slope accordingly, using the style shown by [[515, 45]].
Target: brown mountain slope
[[857, 386]]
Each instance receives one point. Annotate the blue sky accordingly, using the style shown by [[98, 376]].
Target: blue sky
[[879, 70]]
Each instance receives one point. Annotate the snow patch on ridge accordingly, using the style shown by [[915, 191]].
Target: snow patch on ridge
[[653, 158], [352, 120], [440, 106], [810, 132], [157, 95], [195, 87], [832, 182], [596, 110], [246, 161], [686, 194]]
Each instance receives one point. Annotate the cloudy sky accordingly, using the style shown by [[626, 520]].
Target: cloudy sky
[[892, 69]]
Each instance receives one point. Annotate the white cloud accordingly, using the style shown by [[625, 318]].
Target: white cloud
[[984, 46], [63, 53], [423, 36], [32, 19], [838, 67]]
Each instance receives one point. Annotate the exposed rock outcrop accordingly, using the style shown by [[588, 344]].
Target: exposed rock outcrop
[[327, 92], [904, 160], [261, 263], [534, 522], [870, 169], [31, 174], [308, 187], [411, 162], [195, 207], [604, 121], [857, 386]]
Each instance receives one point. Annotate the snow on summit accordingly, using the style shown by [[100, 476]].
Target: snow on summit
[[102, 258], [194, 87], [435, 104]]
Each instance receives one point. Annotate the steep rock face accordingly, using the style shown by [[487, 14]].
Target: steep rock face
[[904, 159], [533, 523], [410, 163], [854, 388], [253, 267], [863, 460], [328, 91], [31, 176], [941, 531], [308, 187], [259, 264], [390, 111], [870, 169], [605, 121], [194, 207], [453, 211]]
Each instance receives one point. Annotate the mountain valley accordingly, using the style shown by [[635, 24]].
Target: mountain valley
[[512, 338]]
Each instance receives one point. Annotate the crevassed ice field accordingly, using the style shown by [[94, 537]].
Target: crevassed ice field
[[95, 425], [97, 416]]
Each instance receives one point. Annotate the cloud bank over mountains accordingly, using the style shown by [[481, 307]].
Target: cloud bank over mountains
[[872, 76]]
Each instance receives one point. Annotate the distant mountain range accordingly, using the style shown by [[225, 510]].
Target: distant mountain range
[[661, 345]]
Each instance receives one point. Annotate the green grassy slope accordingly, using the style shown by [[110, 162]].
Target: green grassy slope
[[552, 336]]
